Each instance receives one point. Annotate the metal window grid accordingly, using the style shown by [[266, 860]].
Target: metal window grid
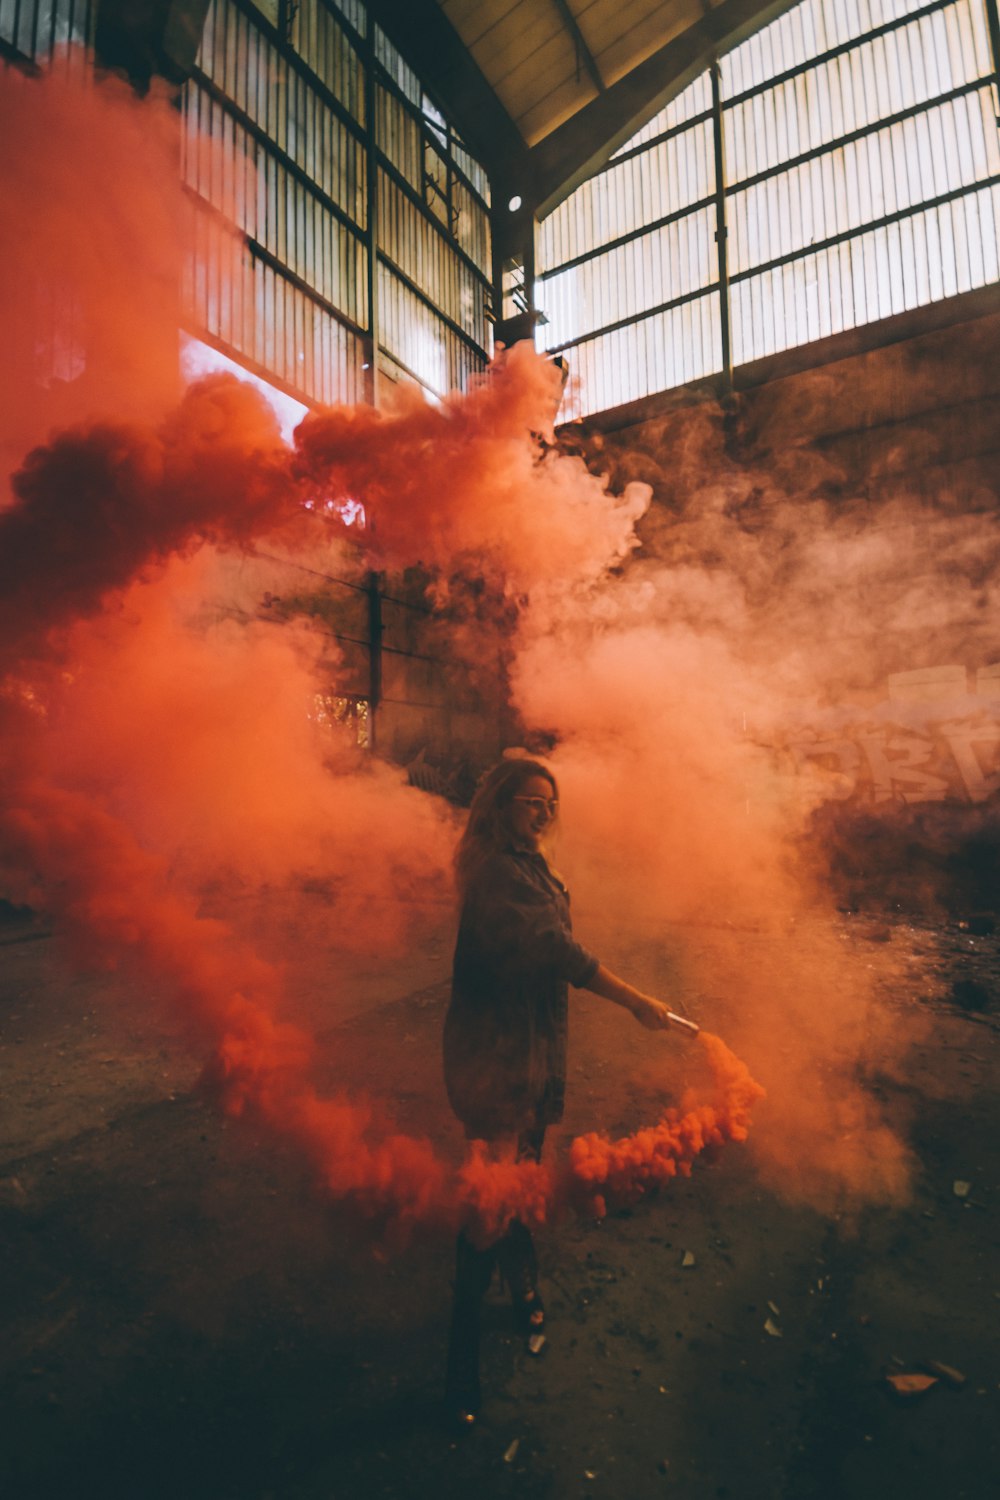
[[32, 31], [854, 173], [310, 139]]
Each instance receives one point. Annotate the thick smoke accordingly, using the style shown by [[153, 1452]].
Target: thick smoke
[[769, 606], [91, 238], [466, 487], [157, 743], [675, 828]]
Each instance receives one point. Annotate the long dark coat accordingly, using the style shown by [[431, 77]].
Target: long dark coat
[[506, 1029]]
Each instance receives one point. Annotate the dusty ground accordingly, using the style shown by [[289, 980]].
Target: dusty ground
[[184, 1317]]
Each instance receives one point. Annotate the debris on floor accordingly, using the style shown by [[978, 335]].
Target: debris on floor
[[909, 1386]]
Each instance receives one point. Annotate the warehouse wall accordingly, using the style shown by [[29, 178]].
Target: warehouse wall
[[882, 467]]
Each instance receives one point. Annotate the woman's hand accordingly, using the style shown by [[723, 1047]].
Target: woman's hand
[[652, 1014]]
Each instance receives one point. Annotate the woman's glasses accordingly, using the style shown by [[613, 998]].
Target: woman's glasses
[[549, 806]]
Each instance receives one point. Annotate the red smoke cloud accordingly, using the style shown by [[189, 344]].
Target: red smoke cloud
[[104, 503], [464, 484], [107, 803], [626, 1169], [155, 745], [112, 898], [599, 1172], [91, 240]]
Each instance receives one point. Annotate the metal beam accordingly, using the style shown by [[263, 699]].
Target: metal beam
[[570, 154], [721, 228], [154, 37], [582, 50]]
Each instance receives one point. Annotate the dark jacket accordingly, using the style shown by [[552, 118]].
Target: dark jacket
[[506, 1029]]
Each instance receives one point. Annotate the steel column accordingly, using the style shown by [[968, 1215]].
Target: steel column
[[721, 230]]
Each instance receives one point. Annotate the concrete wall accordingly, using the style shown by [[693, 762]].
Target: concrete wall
[[919, 417], [917, 413], [898, 445]]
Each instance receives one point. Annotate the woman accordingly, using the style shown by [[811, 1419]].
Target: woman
[[506, 1028]]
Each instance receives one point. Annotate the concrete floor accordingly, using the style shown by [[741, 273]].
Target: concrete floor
[[185, 1318]]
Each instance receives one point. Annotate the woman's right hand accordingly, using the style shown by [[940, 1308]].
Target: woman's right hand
[[652, 1014], [655, 1016]]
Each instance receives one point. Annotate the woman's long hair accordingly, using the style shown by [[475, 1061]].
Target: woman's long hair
[[488, 828]]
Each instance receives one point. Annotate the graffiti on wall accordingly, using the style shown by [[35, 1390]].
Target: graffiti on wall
[[934, 738]]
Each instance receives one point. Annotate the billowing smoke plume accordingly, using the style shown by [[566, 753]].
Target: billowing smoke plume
[[664, 680], [157, 743], [91, 238]]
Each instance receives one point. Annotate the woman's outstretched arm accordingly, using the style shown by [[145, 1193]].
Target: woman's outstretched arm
[[652, 1014]]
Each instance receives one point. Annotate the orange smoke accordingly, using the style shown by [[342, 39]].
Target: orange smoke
[[599, 1173], [625, 1170], [91, 241], [467, 486], [494, 1191], [154, 747], [401, 1181], [110, 900], [101, 503], [109, 897]]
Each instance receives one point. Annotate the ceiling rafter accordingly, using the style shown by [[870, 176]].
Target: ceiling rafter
[[583, 52], [574, 150]]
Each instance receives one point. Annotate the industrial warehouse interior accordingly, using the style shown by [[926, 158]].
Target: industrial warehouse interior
[[405, 401]]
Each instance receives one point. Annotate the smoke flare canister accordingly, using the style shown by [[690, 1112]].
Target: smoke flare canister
[[682, 1023]]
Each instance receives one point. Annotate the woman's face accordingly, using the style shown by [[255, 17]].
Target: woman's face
[[532, 811]]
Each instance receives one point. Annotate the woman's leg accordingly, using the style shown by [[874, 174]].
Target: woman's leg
[[530, 1143], [516, 1251], [473, 1274]]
